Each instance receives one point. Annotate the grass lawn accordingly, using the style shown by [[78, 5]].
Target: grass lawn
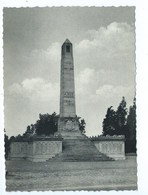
[[45, 176]]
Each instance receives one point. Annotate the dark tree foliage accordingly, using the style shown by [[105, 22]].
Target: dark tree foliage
[[7, 145], [109, 122], [131, 129], [47, 124], [120, 118], [19, 138], [115, 121], [29, 131], [118, 123], [82, 125], [12, 138]]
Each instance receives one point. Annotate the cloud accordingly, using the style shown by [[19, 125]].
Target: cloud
[[113, 91], [43, 63], [35, 89], [51, 53], [106, 62], [111, 38], [86, 75], [83, 80], [110, 47]]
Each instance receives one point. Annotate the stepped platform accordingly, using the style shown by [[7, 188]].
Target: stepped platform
[[79, 149]]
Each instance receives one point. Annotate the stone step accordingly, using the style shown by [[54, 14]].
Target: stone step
[[74, 158], [80, 150]]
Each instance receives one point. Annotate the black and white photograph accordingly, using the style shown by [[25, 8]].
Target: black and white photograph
[[70, 98]]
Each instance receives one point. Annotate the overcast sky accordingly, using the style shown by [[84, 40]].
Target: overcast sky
[[104, 59]]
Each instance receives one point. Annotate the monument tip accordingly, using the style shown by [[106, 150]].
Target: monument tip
[[67, 41]]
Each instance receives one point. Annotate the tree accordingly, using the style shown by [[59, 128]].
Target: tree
[[120, 118], [118, 123], [7, 144], [29, 131], [82, 125], [19, 137], [12, 138], [109, 122], [47, 124], [114, 122], [131, 129]]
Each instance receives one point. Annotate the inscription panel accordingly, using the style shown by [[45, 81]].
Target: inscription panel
[[68, 94], [47, 147], [67, 64], [68, 68], [68, 102]]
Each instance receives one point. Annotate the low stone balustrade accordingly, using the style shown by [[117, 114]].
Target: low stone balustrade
[[112, 146], [36, 149]]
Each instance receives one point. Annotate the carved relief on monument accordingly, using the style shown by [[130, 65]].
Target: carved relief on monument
[[69, 125]]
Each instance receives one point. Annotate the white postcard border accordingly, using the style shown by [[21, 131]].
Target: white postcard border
[[141, 80]]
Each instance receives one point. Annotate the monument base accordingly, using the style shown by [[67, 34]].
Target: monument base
[[66, 134], [68, 127], [68, 124]]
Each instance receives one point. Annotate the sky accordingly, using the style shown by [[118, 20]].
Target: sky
[[103, 41]]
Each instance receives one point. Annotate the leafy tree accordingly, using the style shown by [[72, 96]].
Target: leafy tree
[[29, 131], [115, 121], [19, 137], [131, 129], [109, 122], [120, 118], [7, 144], [118, 123], [82, 125], [47, 124], [12, 138]]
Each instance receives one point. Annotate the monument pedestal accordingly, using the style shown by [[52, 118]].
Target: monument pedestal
[[66, 134], [68, 127]]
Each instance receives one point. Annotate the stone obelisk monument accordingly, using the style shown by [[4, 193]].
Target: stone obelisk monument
[[68, 122]]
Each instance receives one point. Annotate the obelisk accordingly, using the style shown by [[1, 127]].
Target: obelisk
[[68, 121]]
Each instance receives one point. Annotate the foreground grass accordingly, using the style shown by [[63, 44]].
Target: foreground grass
[[108, 175]]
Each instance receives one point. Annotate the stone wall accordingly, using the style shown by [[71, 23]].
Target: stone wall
[[43, 150], [36, 150], [19, 150], [112, 146]]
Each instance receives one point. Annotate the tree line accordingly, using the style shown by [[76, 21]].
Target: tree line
[[122, 122]]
